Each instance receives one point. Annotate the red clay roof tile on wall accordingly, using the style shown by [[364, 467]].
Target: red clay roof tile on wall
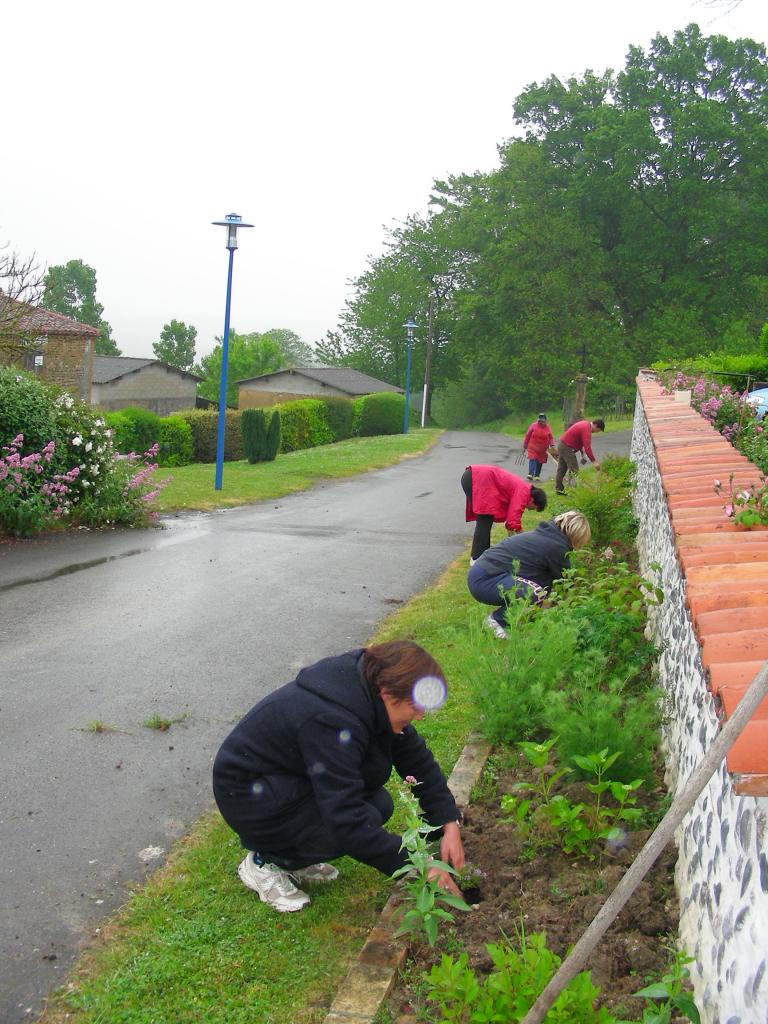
[[725, 566]]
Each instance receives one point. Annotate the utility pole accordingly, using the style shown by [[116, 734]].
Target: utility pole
[[428, 360]]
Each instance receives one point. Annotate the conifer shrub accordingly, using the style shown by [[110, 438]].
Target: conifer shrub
[[339, 413], [253, 424], [143, 428], [274, 434], [357, 414], [175, 445], [304, 424], [382, 413], [204, 425]]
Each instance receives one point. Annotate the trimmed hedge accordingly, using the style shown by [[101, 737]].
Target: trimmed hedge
[[304, 424], [144, 430], [382, 413], [122, 431], [176, 444], [204, 426], [339, 413]]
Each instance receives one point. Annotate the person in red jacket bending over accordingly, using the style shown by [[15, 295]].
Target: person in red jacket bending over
[[577, 438], [495, 495], [537, 442]]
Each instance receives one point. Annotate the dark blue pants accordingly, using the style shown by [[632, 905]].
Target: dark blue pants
[[283, 826], [534, 468], [493, 589]]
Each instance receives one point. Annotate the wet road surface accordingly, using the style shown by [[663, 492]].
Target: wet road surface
[[196, 621]]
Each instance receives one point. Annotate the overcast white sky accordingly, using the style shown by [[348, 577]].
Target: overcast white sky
[[129, 128]]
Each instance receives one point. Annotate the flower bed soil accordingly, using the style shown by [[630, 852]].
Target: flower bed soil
[[556, 893]]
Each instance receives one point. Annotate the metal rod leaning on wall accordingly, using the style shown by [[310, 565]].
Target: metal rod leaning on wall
[[577, 958]]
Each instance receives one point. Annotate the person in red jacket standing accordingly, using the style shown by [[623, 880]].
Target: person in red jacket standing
[[495, 495], [577, 438], [537, 442]]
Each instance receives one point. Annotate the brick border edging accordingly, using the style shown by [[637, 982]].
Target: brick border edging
[[371, 977]]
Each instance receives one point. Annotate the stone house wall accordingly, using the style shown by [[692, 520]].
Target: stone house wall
[[722, 871], [259, 395], [67, 360], [153, 387]]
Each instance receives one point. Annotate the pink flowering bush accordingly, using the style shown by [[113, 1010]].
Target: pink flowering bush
[[729, 412], [31, 494], [69, 472], [746, 506]]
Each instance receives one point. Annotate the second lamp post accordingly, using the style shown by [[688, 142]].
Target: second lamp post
[[410, 326], [232, 221]]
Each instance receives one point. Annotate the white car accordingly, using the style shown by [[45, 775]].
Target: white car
[[759, 399]]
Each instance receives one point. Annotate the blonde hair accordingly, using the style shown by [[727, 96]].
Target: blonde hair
[[575, 526]]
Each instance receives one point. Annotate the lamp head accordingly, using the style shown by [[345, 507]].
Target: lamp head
[[232, 221]]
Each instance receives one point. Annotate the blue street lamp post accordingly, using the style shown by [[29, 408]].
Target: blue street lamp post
[[410, 325], [232, 221]]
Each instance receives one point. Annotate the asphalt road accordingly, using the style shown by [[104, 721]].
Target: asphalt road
[[200, 619]]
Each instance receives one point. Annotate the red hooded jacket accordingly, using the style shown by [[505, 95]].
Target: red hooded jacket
[[498, 493], [537, 439]]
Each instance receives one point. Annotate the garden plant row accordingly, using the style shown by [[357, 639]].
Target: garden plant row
[[569, 796]]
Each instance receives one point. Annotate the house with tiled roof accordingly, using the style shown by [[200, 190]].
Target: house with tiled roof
[[308, 382], [120, 381], [56, 347]]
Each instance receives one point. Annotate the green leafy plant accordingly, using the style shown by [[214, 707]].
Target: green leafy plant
[[607, 818], [96, 725], [515, 981], [423, 893], [545, 819], [668, 999], [175, 442]]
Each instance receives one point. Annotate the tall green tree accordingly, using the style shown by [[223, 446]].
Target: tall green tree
[[70, 289], [176, 345], [629, 223], [249, 355]]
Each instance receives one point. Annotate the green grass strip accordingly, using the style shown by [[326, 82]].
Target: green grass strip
[[191, 487], [193, 945]]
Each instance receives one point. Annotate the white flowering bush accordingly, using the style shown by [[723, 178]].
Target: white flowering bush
[[68, 469]]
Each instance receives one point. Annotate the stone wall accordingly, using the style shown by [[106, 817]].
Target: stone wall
[[67, 360], [722, 871], [152, 387]]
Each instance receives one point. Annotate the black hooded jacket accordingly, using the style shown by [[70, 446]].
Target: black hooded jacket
[[327, 735]]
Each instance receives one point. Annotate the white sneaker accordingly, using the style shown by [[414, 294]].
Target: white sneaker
[[315, 873], [498, 630], [273, 885], [472, 562]]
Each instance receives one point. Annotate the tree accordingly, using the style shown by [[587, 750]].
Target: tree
[[249, 355], [176, 345], [71, 290], [21, 285]]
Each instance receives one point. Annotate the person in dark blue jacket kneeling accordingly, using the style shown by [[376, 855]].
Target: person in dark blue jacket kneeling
[[301, 778], [526, 565]]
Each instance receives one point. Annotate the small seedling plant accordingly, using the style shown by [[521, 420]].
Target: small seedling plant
[[516, 980], [547, 818], [667, 999], [422, 893]]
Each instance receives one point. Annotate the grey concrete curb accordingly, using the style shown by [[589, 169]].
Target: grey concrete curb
[[371, 977]]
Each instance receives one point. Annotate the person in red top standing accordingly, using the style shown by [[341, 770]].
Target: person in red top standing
[[495, 495], [537, 442], [577, 438]]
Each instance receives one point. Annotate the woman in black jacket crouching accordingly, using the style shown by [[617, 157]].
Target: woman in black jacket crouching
[[526, 565], [301, 777]]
